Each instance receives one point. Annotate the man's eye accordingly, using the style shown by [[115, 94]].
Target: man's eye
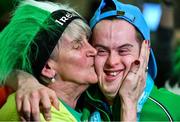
[[101, 52], [123, 52]]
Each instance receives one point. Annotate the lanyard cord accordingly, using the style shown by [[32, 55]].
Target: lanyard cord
[[164, 109]]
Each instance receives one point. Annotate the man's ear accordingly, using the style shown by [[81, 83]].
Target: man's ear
[[48, 70]]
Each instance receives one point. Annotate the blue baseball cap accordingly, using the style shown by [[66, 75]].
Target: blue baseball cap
[[133, 15]]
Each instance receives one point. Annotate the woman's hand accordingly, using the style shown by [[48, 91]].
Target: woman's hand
[[134, 84], [33, 97]]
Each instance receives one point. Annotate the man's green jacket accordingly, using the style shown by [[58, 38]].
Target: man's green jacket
[[161, 105]]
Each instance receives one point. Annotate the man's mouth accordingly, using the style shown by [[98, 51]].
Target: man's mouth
[[111, 75]]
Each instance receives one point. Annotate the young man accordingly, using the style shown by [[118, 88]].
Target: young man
[[118, 33]]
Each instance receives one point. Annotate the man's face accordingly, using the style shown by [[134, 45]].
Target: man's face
[[117, 47]]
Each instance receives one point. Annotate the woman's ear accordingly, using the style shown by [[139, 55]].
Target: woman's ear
[[48, 70]]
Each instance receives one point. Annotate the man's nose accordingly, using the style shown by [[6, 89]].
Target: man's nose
[[113, 60]]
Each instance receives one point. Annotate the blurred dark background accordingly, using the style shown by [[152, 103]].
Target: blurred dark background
[[165, 35], [85, 7]]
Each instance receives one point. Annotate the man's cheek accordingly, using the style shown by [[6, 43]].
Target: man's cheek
[[98, 67]]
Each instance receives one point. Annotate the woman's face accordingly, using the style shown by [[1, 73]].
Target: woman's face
[[75, 60]]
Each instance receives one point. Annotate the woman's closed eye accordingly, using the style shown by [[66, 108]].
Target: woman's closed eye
[[77, 44]]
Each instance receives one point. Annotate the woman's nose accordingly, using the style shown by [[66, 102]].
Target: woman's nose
[[91, 51]]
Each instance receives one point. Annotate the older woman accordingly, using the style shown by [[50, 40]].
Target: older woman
[[49, 41]]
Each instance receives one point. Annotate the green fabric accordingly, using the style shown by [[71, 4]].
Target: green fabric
[[85, 114], [17, 37], [153, 112], [150, 112], [8, 112], [176, 68], [72, 111], [92, 100]]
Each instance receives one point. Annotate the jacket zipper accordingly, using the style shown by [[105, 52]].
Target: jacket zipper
[[99, 101]]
